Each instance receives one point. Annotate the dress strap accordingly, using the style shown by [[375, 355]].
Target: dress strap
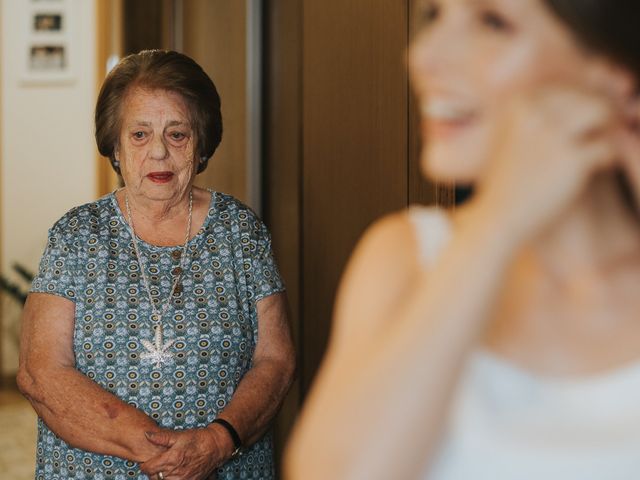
[[433, 230]]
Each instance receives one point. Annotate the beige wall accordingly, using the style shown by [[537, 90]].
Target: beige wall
[[47, 148]]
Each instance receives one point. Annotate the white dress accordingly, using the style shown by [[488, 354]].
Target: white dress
[[508, 424]]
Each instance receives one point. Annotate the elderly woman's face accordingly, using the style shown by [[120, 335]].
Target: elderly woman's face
[[471, 57], [156, 146]]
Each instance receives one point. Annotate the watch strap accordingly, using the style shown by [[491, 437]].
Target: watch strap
[[237, 443]]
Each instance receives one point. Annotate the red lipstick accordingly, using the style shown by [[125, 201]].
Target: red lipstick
[[160, 177]]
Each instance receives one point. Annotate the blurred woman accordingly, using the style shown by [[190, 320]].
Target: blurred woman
[[501, 341]]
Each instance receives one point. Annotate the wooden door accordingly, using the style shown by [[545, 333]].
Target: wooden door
[[215, 37], [341, 148], [355, 149]]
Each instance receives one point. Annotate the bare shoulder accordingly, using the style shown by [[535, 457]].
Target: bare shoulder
[[388, 245], [382, 265]]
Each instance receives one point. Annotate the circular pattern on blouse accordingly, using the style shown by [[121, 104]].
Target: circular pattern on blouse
[[212, 321]]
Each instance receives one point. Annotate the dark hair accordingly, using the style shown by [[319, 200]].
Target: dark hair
[[165, 70], [608, 26]]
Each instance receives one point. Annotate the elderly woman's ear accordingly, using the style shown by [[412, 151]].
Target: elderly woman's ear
[[115, 161], [203, 160]]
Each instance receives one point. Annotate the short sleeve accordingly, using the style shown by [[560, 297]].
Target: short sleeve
[[58, 267], [265, 278]]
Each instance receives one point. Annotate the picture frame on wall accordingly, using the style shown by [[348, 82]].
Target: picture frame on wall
[[48, 55]]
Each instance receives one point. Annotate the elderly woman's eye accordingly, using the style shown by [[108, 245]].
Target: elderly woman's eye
[[177, 136], [138, 135]]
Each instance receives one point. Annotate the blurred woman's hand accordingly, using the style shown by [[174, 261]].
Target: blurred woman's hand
[[550, 144], [629, 142]]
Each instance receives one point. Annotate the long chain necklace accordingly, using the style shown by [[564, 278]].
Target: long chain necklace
[[158, 351]]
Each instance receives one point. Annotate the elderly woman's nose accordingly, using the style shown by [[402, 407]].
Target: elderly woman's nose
[[159, 148]]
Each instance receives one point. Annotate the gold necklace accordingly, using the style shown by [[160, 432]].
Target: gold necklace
[[157, 351]]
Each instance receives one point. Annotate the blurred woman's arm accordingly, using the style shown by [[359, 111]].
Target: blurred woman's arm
[[400, 336], [75, 408], [402, 332]]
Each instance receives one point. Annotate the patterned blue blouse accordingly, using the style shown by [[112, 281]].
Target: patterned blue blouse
[[212, 319]]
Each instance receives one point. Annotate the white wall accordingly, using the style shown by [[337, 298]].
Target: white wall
[[48, 153]]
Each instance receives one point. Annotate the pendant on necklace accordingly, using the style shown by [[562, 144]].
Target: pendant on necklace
[[158, 351]]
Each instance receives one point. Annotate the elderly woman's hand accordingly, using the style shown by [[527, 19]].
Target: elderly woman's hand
[[191, 454]]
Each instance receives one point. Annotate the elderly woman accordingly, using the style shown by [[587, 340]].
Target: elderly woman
[[155, 340]]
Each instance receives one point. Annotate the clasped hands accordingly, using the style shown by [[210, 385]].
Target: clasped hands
[[192, 454]]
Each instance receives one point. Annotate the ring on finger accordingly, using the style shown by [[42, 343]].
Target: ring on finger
[[160, 476]]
